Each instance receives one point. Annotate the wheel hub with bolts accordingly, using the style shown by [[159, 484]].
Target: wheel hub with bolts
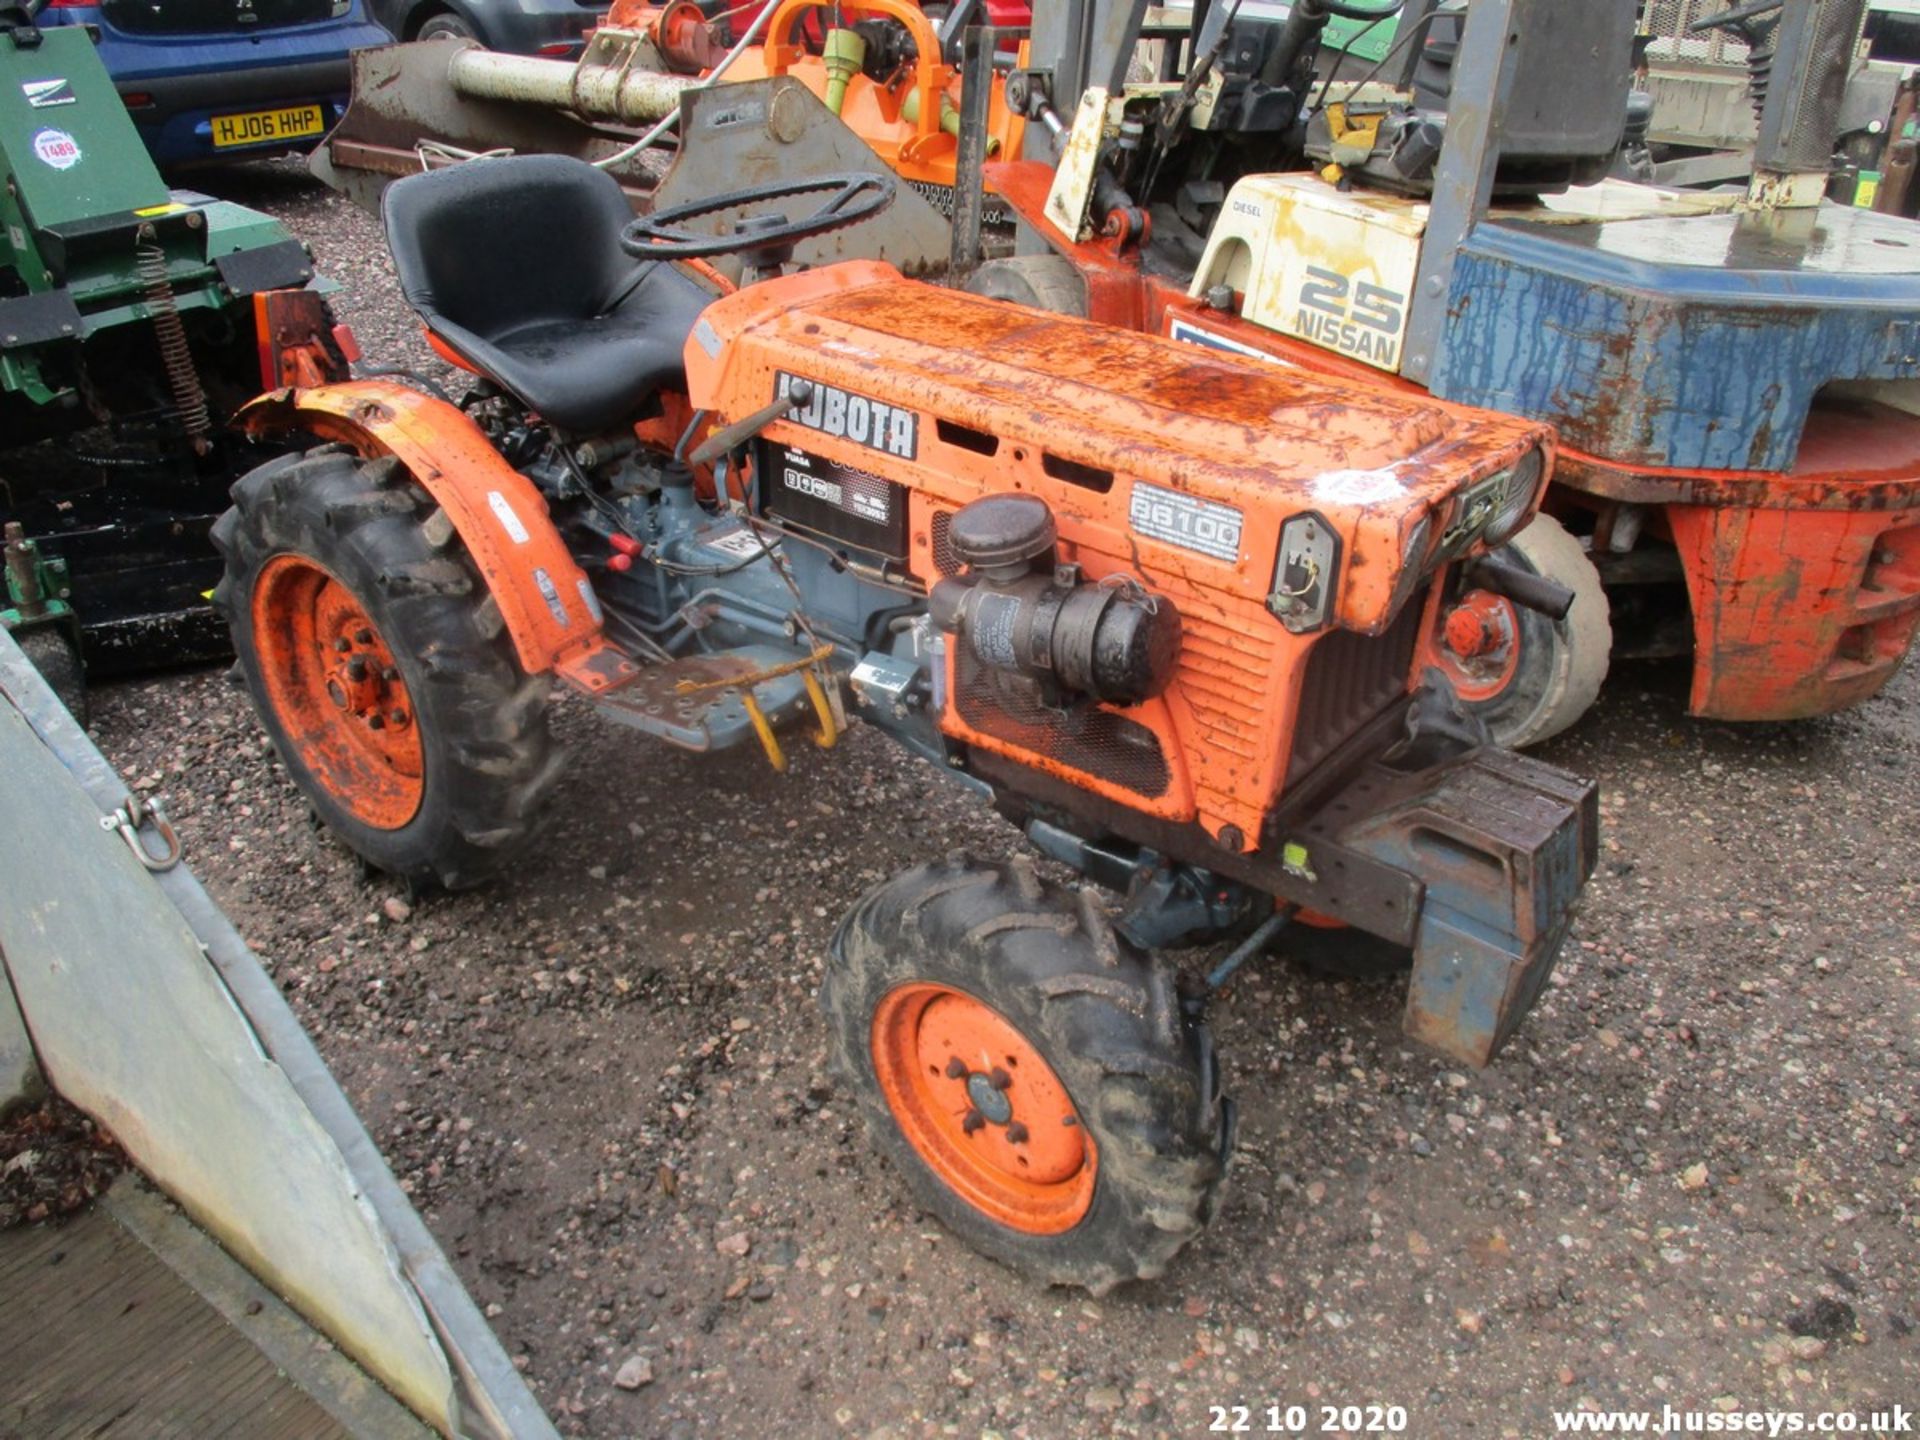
[[364, 682], [1479, 643], [988, 1093], [983, 1107], [335, 683]]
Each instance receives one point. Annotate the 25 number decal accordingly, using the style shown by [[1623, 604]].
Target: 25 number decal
[[1373, 306]]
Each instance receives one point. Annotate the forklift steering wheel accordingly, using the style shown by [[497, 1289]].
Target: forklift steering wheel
[[663, 235], [1734, 18]]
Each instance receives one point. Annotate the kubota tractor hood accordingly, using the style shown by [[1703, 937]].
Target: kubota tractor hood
[[1233, 447]]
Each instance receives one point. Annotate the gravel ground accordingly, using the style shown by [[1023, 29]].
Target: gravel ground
[[1692, 1181]]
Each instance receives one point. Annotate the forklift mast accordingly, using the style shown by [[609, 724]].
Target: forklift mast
[[1080, 44], [1813, 55]]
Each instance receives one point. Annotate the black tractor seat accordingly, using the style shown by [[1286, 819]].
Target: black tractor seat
[[515, 263]]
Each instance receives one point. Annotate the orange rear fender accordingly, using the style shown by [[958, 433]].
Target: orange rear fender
[[545, 598]]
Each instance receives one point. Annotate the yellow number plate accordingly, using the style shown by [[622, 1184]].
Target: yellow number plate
[[260, 127]]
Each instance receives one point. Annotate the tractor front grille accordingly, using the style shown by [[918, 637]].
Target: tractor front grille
[[1350, 679], [944, 558], [1085, 736]]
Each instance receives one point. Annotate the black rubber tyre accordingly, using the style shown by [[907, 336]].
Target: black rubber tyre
[[488, 762], [1337, 953], [52, 654], [445, 26], [1562, 662], [1039, 282], [1139, 1073]]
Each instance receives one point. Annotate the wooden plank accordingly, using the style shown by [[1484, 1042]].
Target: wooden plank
[[99, 1339]]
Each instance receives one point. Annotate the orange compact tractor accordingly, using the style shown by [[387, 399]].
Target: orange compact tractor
[[1161, 606]]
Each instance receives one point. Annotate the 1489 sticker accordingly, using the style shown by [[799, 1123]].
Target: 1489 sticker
[[56, 148]]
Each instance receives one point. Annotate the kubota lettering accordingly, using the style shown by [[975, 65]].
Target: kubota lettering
[[844, 415]]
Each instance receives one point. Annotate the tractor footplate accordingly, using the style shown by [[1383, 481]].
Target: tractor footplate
[[709, 702], [1501, 845]]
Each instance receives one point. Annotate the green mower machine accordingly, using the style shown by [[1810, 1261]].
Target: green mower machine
[[134, 320]]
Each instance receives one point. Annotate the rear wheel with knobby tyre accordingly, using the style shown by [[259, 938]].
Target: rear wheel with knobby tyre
[[381, 667]]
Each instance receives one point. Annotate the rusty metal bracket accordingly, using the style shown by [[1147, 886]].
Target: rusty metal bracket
[[748, 133]]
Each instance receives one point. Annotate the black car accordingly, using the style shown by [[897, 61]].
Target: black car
[[526, 27]]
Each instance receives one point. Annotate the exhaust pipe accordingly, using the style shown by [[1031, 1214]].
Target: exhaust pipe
[[595, 92]]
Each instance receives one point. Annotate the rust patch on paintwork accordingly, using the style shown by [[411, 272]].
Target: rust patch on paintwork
[[1770, 643]]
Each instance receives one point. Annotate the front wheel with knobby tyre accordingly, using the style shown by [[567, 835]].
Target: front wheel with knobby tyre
[[381, 668], [1033, 1076]]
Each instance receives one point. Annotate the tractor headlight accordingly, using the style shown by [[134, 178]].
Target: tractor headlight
[[341, 7], [1523, 490], [1305, 573]]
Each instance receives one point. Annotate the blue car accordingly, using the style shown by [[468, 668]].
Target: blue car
[[216, 79]]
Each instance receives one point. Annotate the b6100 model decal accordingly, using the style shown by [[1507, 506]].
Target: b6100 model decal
[[846, 416], [1200, 525]]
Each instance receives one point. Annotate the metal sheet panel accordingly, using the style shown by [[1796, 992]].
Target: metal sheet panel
[[19, 1076], [246, 1037], [1689, 342], [133, 1026]]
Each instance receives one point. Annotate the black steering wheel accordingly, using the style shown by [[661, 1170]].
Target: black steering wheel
[[1733, 19], [662, 235]]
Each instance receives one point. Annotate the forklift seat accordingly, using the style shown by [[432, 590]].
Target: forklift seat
[[515, 263]]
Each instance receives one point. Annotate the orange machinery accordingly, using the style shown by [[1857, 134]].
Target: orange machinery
[[1161, 607], [909, 114]]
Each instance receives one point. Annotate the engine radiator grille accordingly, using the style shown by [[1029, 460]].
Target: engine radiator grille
[[1350, 679], [1086, 737], [944, 559]]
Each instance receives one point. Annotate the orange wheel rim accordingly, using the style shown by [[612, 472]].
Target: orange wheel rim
[[337, 693], [983, 1109]]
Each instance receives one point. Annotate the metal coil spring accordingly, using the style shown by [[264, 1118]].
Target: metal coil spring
[[1760, 74], [189, 398]]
